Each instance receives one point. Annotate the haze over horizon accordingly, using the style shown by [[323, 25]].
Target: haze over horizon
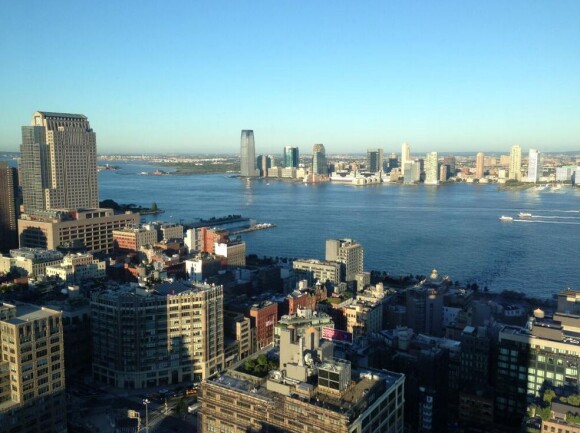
[[187, 77]]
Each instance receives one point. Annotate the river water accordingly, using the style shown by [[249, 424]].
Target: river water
[[404, 229]]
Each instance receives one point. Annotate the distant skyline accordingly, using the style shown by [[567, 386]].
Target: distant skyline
[[187, 77]]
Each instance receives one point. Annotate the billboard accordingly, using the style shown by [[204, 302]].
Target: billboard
[[336, 335]]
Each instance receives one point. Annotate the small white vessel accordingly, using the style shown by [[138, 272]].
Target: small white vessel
[[525, 215], [506, 218]]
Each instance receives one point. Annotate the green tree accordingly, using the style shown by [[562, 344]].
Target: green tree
[[154, 207], [549, 395]]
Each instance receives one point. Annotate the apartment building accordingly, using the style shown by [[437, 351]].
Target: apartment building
[[144, 337], [32, 380]]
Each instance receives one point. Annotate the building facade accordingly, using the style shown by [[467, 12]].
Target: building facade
[[248, 154], [479, 165], [291, 157], [375, 160], [405, 154], [349, 253], [30, 262], [132, 239], [319, 164], [264, 318], [8, 208], [317, 270], [152, 337], [432, 169], [32, 379], [515, 170], [91, 228], [534, 166], [58, 163]]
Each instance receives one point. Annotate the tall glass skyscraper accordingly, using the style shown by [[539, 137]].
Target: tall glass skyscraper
[[319, 165], [374, 160], [248, 154], [58, 164], [291, 157]]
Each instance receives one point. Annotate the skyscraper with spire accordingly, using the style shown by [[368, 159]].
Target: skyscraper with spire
[[58, 165], [248, 154]]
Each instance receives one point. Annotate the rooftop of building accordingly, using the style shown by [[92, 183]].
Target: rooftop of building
[[28, 312], [160, 290], [289, 319], [51, 114], [61, 215], [36, 254], [317, 262], [346, 403]]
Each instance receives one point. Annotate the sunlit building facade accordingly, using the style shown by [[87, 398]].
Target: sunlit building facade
[[248, 154]]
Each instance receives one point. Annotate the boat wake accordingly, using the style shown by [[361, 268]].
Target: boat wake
[[545, 222]]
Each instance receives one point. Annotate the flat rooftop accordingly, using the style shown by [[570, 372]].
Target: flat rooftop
[[345, 404], [27, 312]]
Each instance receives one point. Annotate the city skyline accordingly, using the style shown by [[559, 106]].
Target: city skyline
[[447, 76]]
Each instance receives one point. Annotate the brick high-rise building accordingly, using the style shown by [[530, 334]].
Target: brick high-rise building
[[265, 317], [32, 397], [8, 208]]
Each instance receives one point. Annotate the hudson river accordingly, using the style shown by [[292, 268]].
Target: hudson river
[[404, 229]]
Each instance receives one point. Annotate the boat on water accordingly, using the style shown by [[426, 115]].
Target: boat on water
[[506, 218], [525, 215]]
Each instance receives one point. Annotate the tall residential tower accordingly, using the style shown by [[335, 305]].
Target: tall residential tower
[[432, 169], [405, 154], [534, 166], [58, 165], [8, 208], [515, 172], [479, 165], [248, 154]]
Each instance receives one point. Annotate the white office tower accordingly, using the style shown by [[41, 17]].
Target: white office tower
[[405, 154], [432, 169], [516, 163], [534, 166], [248, 154]]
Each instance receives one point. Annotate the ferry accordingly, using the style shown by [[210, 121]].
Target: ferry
[[525, 215], [506, 218]]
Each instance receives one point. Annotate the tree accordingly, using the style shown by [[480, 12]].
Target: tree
[[154, 207], [549, 395]]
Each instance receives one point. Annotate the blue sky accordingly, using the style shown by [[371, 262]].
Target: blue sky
[[187, 76]]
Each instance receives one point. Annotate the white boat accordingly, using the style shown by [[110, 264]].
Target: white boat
[[506, 218], [525, 215]]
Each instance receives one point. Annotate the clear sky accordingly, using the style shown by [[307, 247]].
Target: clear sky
[[188, 76]]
